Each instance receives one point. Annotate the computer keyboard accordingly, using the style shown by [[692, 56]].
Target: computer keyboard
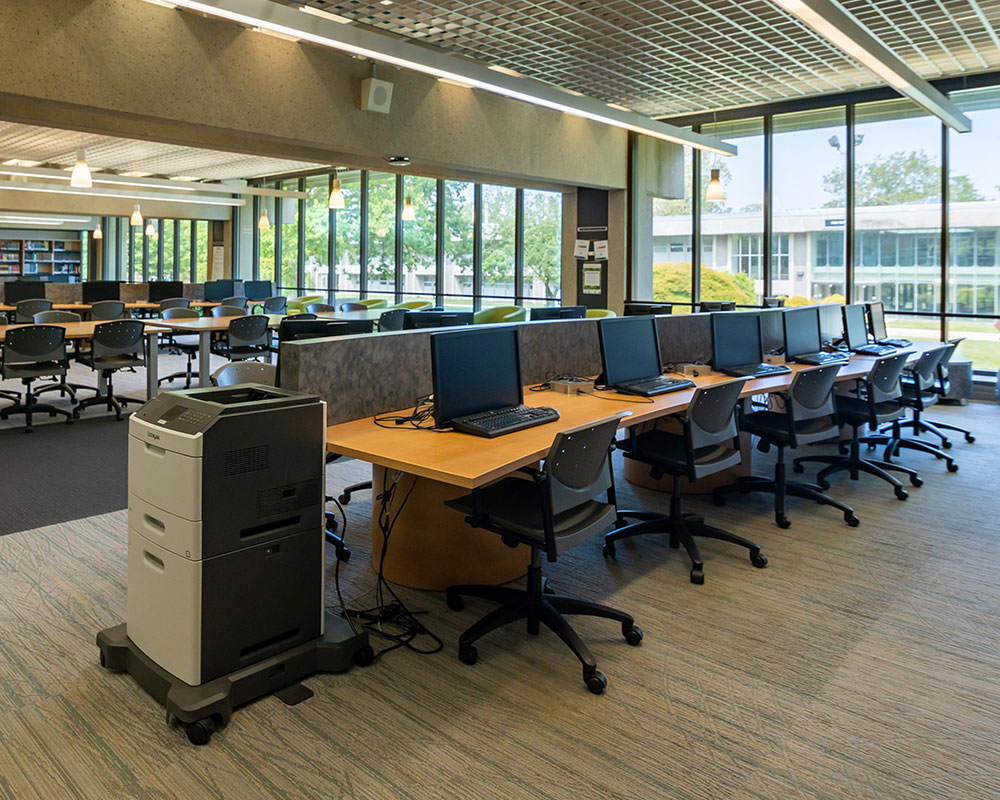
[[874, 350], [755, 370], [649, 387], [895, 342], [820, 359], [504, 420]]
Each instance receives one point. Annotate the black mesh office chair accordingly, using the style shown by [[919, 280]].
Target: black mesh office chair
[[105, 310], [237, 372], [391, 320], [238, 302], [352, 307], [810, 415], [300, 316], [322, 308], [874, 403], [186, 345], [276, 305], [919, 385], [246, 337], [25, 310], [116, 345], [708, 444], [943, 387], [226, 310], [62, 385], [552, 511], [174, 302], [29, 353]]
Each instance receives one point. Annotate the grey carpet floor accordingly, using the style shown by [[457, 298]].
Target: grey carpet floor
[[862, 663]]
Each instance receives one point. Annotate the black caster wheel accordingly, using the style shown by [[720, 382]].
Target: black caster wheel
[[29, 430], [343, 555], [842, 448], [468, 655], [946, 445], [76, 414], [798, 468], [103, 660], [548, 589], [916, 480], [633, 635], [970, 438], [52, 414], [596, 683], [824, 485], [782, 521], [364, 657], [758, 559], [901, 493], [609, 550], [852, 520], [200, 732], [344, 499], [454, 601], [952, 466], [697, 575]]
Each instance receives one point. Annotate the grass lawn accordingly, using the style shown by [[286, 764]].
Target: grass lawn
[[985, 353]]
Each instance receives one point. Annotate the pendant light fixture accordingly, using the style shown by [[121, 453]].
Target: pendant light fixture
[[98, 233], [263, 223], [81, 178], [714, 193], [150, 230], [408, 213], [136, 219], [336, 196]]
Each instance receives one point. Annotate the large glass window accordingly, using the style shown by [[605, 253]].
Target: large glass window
[[381, 233], [672, 219], [136, 272], [201, 251], [347, 241], [290, 209], [459, 244], [499, 211], [542, 245], [267, 236], [184, 249], [317, 222], [168, 250], [420, 239]]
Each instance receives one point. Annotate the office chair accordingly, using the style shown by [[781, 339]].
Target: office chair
[[942, 388], [709, 444], [919, 385], [555, 509], [238, 302], [25, 310], [105, 310], [374, 302], [174, 302], [246, 337], [228, 311], [322, 308], [115, 345], [391, 320], [238, 372], [415, 305], [500, 314], [276, 305], [874, 403], [179, 343], [347, 307], [62, 385], [29, 353], [600, 313], [810, 415]]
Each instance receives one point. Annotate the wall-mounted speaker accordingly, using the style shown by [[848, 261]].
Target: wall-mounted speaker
[[376, 95]]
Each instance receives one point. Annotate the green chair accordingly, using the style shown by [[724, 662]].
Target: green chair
[[501, 314], [599, 313], [297, 305], [415, 305], [373, 302]]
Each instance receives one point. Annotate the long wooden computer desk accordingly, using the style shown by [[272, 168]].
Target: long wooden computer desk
[[432, 546]]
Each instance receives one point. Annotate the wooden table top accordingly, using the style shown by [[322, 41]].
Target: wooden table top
[[137, 305], [471, 461], [209, 323], [81, 330]]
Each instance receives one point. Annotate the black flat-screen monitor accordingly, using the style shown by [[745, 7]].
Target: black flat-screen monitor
[[16, 291], [559, 312], [630, 349], [216, 291], [258, 290], [876, 321], [474, 371], [414, 320], [801, 331], [855, 329], [164, 290], [643, 309], [736, 340], [96, 291], [718, 305], [292, 329], [774, 302]]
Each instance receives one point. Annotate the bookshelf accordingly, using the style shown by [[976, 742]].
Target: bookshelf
[[43, 257]]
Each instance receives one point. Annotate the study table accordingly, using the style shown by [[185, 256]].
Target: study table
[[84, 308], [432, 547]]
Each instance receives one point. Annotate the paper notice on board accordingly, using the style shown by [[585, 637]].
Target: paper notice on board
[[601, 250], [581, 249], [591, 278]]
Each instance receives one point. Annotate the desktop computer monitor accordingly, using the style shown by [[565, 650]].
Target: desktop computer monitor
[[876, 321], [718, 305], [16, 291], [559, 312], [414, 320], [630, 349], [96, 291], [216, 291], [643, 309], [801, 331], [736, 340], [258, 290], [855, 330], [474, 371], [165, 290]]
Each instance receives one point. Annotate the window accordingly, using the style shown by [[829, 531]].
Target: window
[[748, 256], [347, 239], [201, 250], [459, 222], [499, 210], [290, 210], [779, 257], [267, 236], [167, 238], [672, 221], [542, 245], [316, 268], [381, 233], [420, 238], [184, 249]]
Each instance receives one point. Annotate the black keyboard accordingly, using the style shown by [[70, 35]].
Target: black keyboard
[[820, 359], [895, 342], [648, 387], [874, 350], [504, 420], [755, 370]]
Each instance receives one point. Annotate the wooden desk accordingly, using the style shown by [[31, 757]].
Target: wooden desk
[[205, 327], [79, 308], [85, 330]]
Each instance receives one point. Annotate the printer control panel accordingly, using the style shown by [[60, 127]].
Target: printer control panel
[[174, 413]]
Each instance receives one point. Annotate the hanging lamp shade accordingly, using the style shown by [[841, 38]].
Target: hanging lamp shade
[[98, 233], [336, 196], [714, 193], [80, 177], [263, 223], [150, 229], [136, 219], [408, 213]]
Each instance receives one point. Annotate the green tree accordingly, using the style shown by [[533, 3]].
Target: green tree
[[672, 283], [543, 241], [897, 178]]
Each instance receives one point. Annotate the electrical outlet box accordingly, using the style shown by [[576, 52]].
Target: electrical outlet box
[[692, 370], [774, 358], [571, 386]]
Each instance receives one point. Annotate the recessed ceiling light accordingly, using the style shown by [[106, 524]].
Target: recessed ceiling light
[[398, 161], [385, 2], [505, 71]]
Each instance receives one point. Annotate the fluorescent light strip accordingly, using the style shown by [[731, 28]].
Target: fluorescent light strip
[[154, 198], [38, 221], [648, 127], [318, 12]]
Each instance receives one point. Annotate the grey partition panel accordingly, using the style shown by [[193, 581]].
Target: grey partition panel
[[64, 292], [559, 347], [685, 338], [134, 292]]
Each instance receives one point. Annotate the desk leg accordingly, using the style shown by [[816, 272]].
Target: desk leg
[[431, 546], [152, 365], [204, 358]]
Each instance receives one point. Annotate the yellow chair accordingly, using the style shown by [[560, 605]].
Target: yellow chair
[[501, 314], [597, 313], [373, 302], [415, 305], [297, 305]]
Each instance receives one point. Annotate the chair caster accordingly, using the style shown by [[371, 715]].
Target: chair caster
[[970, 438], [798, 467], [364, 657], [596, 682], [901, 493], [200, 732], [824, 484], [697, 575], [758, 559], [916, 480], [344, 499], [468, 655], [852, 520], [343, 555], [454, 601], [782, 521], [718, 499], [946, 445], [609, 550], [633, 635], [548, 589], [952, 466]]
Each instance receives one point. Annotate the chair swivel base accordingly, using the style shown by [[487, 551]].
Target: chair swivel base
[[894, 443], [345, 496], [64, 389], [539, 606], [29, 409], [920, 425], [187, 376], [114, 402], [806, 491], [682, 528], [854, 464]]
